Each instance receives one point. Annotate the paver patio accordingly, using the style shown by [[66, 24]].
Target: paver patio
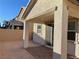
[[15, 50]]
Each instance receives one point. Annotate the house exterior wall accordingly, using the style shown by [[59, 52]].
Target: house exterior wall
[[71, 48], [44, 37], [40, 8], [30, 31], [39, 37]]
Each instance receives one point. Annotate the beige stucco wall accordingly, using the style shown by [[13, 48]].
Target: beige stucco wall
[[40, 8], [45, 36], [10, 35], [27, 34], [30, 30], [39, 37]]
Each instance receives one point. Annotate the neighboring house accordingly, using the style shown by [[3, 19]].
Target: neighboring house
[[13, 24], [53, 23], [5, 25]]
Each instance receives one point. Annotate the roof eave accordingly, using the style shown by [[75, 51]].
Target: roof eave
[[29, 8]]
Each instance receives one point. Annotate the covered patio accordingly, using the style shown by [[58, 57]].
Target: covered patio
[[57, 12]]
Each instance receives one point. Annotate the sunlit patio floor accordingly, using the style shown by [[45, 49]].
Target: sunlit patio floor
[[15, 50]]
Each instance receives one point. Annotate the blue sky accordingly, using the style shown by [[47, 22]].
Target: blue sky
[[10, 8]]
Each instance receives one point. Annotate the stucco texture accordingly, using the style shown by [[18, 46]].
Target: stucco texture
[[10, 35]]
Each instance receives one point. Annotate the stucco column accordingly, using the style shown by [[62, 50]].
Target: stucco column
[[25, 35], [60, 30], [77, 40]]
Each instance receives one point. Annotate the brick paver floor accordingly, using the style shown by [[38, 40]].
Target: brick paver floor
[[14, 50]]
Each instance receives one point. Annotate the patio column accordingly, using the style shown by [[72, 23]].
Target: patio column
[[60, 30], [25, 35]]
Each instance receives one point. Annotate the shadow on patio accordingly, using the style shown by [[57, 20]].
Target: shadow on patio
[[41, 52]]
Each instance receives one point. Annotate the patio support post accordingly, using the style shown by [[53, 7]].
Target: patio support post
[[60, 30], [25, 35]]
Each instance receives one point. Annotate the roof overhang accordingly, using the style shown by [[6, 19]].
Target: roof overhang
[[43, 18], [29, 8], [48, 15]]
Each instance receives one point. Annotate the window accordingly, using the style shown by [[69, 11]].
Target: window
[[39, 28], [71, 26], [71, 36], [71, 31]]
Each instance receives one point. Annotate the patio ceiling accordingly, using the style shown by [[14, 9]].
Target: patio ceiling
[[43, 11], [43, 18], [73, 9]]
